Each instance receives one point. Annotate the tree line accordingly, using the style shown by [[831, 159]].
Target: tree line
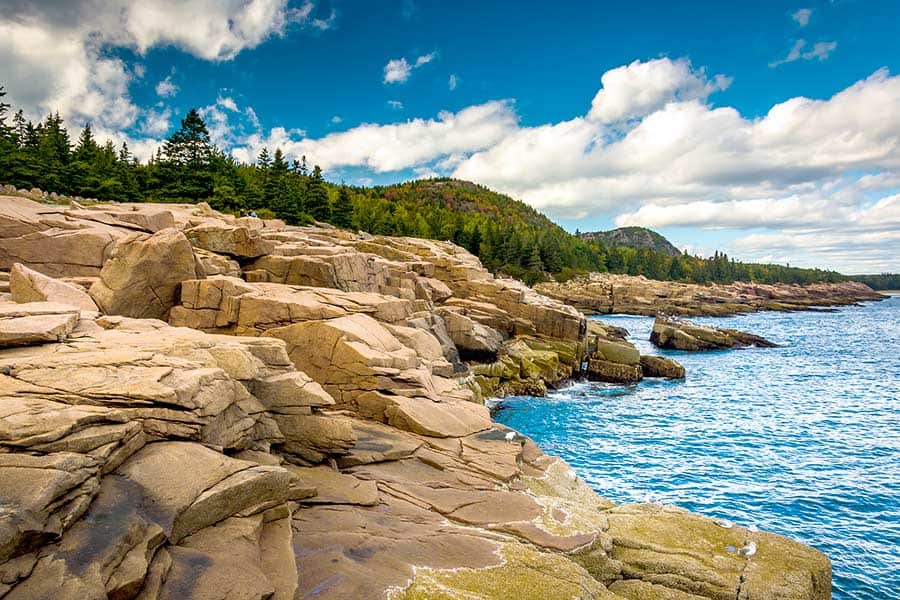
[[507, 235]]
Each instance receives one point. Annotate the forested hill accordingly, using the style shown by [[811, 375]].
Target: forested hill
[[633, 237], [509, 236]]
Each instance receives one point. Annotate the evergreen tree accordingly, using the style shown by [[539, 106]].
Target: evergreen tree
[[317, 197], [277, 192], [342, 214], [534, 261], [53, 153], [8, 144], [188, 159]]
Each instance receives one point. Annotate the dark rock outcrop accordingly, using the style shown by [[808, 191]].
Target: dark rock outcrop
[[677, 334]]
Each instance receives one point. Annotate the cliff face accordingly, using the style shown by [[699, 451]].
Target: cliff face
[[637, 295], [193, 405]]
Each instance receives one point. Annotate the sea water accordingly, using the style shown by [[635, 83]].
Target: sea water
[[801, 440]]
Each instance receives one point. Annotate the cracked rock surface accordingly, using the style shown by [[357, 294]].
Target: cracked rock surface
[[305, 423]]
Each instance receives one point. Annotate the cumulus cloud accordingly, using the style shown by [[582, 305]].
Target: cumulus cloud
[[398, 70], [802, 16], [452, 82], [54, 54], [166, 88], [819, 51], [156, 123], [336, 120], [396, 146], [641, 88], [395, 104]]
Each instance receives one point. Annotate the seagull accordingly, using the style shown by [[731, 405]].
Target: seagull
[[572, 475], [723, 523], [748, 551], [510, 437]]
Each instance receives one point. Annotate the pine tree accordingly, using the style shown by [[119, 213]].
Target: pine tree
[[83, 172], [53, 152], [8, 144], [534, 262], [342, 214], [276, 192], [317, 197], [187, 164]]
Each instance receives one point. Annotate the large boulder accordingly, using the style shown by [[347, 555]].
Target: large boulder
[[472, 339], [239, 242], [27, 285], [36, 323], [660, 366], [143, 276], [58, 252], [615, 361]]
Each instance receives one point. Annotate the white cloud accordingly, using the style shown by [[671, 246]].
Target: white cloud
[[156, 123], [398, 70], [453, 82], [820, 51], [336, 120], [166, 88], [802, 16], [641, 88], [54, 55], [426, 58], [395, 104], [385, 148], [227, 103]]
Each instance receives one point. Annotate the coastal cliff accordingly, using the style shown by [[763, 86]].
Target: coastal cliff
[[605, 293], [196, 405]]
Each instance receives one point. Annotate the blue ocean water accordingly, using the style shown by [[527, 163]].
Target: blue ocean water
[[802, 440]]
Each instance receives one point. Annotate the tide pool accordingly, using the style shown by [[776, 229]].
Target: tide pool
[[801, 440]]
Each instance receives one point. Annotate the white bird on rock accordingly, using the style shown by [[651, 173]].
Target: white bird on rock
[[748, 551], [511, 436]]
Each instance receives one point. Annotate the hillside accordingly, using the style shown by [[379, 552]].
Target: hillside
[[633, 237], [508, 236]]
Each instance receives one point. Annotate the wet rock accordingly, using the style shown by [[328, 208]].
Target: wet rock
[[659, 366], [615, 361]]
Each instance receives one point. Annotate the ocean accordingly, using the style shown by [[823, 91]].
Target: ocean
[[801, 440]]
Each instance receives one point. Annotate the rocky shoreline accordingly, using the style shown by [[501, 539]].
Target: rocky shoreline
[[605, 293], [194, 405]]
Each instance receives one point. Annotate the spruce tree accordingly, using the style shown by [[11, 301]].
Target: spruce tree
[[8, 145], [187, 164], [534, 261], [317, 197], [342, 214]]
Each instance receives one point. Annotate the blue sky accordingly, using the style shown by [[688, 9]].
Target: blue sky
[[687, 117]]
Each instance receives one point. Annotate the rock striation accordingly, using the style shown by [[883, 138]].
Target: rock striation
[[308, 422], [677, 334], [606, 293]]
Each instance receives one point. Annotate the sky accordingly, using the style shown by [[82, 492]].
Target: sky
[[769, 130]]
